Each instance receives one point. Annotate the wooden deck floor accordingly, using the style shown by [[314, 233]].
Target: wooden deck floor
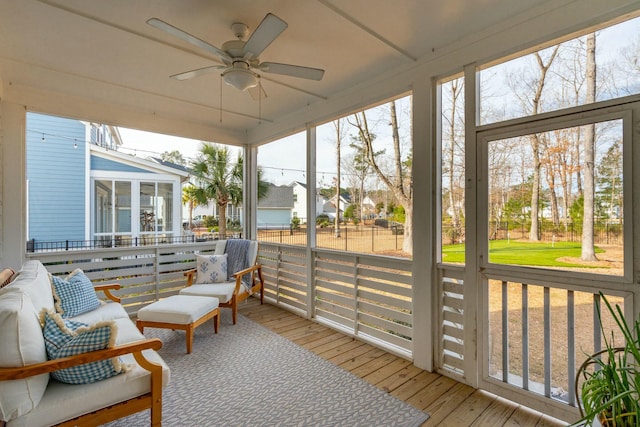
[[448, 402]]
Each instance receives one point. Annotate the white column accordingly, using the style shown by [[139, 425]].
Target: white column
[[311, 216], [13, 234], [424, 304]]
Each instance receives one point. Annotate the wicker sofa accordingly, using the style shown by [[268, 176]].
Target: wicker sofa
[[29, 394]]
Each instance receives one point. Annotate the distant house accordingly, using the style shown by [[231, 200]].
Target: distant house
[[275, 210], [300, 201], [329, 207], [80, 188]]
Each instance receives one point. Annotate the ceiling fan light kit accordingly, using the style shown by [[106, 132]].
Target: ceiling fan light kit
[[241, 79]]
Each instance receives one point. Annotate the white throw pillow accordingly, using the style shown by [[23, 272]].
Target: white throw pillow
[[211, 268]]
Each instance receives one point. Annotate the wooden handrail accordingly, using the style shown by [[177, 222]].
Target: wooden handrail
[[16, 373]]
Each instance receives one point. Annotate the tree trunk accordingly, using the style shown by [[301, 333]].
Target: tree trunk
[[535, 144], [588, 249], [222, 219], [407, 243], [535, 191], [338, 142], [455, 218]]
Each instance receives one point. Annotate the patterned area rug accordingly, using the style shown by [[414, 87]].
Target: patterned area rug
[[247, 375]]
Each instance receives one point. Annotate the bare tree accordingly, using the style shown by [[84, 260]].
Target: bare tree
[[588, 248], [339, 128], [451, 126], [533, 106], [399, 182]]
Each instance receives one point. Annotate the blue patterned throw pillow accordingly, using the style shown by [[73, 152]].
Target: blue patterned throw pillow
[[74, 294], [211, 268], [63, 337]]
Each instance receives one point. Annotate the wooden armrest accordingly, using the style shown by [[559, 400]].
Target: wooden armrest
[[190, 275], [238, 276], [107, 290], [241, 273], [5, 276], [79, 359]]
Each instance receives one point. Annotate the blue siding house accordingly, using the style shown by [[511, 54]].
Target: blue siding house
[[80, 188]]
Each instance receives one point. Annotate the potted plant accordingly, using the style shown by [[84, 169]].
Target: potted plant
[[610, 391]]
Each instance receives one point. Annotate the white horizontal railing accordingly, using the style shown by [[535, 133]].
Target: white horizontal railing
[[451, 322], [366, 296], [362, 295], [145, 273]]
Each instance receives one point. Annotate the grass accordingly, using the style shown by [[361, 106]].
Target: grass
[[515, 252]]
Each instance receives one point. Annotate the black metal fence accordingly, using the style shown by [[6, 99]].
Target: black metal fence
[[355, 238], [104, 242], [605, 233]]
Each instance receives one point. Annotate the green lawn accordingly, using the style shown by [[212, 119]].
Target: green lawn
[[542, 254]]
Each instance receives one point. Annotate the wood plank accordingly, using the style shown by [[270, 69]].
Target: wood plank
[[444, 405], [342, 340], [470, 409], [523, 417], [496, 414], [362, 359], [344, 352], [386, 371], [375, 364], [414, 385], [321, 343], [396, 380], [309, 339], [437, 388]]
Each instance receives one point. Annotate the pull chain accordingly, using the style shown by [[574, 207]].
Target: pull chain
[[221, 99]]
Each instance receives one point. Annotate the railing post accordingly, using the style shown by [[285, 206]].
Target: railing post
[[66, 245], [372, 239], [346, 238]]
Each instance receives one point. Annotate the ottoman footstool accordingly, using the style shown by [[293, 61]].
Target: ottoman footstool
[[181, 312]]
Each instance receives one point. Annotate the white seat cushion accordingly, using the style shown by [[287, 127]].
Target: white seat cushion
[[21, 343], [63, 401], [178, 309], [222, 291], [107, 311]]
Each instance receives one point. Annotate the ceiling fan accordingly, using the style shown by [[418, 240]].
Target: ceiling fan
[[241, 58]]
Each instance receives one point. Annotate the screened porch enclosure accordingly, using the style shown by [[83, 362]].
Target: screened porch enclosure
[[494, 293]]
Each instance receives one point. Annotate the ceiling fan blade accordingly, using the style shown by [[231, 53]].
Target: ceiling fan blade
[[196, 73], [292, 70], [270, 28], [177, 32], [257, 92]]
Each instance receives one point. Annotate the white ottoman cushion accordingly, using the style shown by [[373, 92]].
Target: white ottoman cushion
[[222, 291], [178, 309]]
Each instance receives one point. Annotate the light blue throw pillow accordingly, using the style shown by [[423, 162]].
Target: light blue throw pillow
[[74, 294], [63, 337], [211, 268]]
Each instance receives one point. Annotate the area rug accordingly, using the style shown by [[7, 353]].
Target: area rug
[[247, 375]]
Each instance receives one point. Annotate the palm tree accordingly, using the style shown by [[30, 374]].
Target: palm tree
[[220, 180], [190, 198], [217, 180]]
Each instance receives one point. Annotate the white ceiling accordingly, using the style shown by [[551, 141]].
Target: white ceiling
[[104, 53]]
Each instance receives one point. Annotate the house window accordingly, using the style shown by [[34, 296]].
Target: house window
[[114, 224], [156, 213], [112, 210]]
